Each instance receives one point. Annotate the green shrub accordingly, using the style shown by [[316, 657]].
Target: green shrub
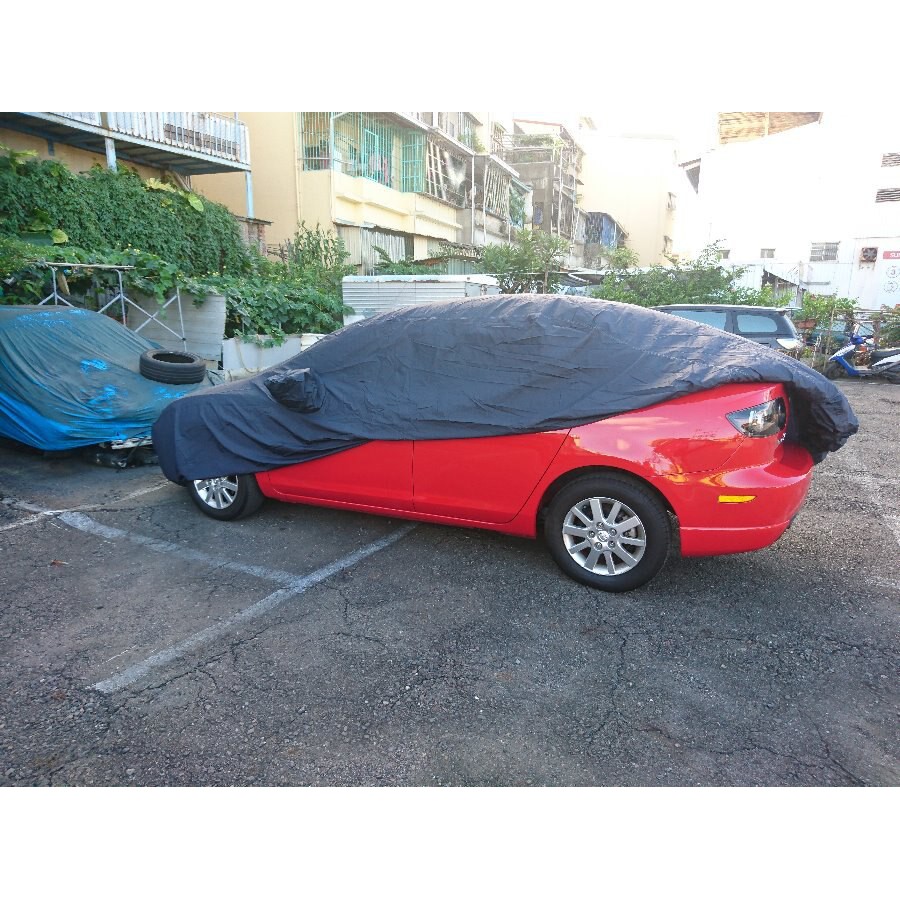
[[171, 238]]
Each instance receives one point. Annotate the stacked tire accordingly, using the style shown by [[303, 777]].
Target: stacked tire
[[172, 367]]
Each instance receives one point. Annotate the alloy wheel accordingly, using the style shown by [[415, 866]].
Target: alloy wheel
[[604, 536], [217, 493]]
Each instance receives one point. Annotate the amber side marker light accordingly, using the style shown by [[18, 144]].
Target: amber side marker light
[[736, 498]]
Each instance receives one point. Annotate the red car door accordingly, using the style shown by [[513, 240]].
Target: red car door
[[481, 479], [377, 474]]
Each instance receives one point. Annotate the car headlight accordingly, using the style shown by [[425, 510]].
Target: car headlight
[[789, 343], [763, 420]]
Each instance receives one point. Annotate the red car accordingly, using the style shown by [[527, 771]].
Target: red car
[[606, 495]]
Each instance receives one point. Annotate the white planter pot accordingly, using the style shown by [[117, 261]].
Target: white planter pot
[[240, 359], [204, 325]]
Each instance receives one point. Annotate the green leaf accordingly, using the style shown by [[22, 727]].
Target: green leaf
[[195, 201], [58, 236], [154, 184]]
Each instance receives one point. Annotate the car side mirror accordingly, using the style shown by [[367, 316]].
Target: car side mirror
[[298, 389]]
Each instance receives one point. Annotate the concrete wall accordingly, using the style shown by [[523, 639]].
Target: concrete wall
[[273, 158]]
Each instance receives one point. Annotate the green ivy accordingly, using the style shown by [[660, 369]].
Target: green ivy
[[104, 210]]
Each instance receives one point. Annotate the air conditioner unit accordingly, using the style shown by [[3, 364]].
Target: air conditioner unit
[[868, 254]]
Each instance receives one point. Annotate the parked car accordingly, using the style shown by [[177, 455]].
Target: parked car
[[764, 324], [72, 378], [595, 423]]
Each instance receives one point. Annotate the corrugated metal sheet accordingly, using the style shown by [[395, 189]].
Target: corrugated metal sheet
[[369, 295], [361, 242]]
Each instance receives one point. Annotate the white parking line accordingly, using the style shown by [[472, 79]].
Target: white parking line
[[86, 523], [214, 632], [43, 513]]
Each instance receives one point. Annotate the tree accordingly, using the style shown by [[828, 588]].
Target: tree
[[703, 280], [531, 265]]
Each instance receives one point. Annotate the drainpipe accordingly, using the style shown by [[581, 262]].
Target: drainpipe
[[484, 207], [473, 200], [248, 177]]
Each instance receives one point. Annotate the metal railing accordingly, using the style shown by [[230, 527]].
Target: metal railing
[[219, 136]]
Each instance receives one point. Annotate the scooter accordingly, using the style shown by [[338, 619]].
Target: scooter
[[882, 363]]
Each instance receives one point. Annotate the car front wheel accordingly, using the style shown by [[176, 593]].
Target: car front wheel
[[226, 498], [608, 532]]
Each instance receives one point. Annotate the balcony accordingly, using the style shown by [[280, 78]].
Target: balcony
[[192, 143]]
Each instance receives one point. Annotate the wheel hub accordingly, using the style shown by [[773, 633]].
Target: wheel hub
[[604, 536]]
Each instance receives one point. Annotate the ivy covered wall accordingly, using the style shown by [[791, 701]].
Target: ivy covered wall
[[100, 209]]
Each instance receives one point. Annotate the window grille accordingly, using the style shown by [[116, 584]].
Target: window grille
[[888, 195], [890, 159], [366, 145], [823, 252], [767, 253], [413, 178]]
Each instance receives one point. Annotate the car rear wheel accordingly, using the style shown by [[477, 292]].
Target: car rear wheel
[[608, 532], [227, 498]]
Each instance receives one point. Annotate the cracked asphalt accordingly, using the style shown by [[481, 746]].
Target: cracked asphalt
[[448, 657]]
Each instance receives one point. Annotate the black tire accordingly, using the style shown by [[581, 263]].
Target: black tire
[[620, 500], [172, 367], [892, 377], [833, 370], [227, 498]]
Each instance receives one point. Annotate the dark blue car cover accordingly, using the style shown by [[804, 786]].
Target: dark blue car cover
[[475, 368]]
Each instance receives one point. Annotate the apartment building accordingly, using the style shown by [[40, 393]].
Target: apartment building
[[808, 201], [549, 159], [631, 184], [408, 183]]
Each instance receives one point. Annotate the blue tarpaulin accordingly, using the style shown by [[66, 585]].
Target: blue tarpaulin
[[71, 378]]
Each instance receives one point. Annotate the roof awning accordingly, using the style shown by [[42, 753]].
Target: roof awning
[[788, 273]]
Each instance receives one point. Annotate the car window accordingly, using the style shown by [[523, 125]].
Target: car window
[[712, 317], [748, 323]]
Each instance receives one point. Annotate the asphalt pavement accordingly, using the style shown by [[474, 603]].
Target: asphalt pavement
[[142, 643]]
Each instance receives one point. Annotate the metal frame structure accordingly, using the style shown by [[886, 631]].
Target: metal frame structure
[[120, 297]]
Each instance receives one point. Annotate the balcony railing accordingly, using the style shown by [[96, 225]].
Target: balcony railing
[[219, 137], [215, 135]]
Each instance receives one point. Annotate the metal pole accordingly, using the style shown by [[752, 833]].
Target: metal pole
[[181, 319], [110, 154]]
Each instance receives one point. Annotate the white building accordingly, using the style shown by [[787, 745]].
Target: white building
[[812, 199]]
